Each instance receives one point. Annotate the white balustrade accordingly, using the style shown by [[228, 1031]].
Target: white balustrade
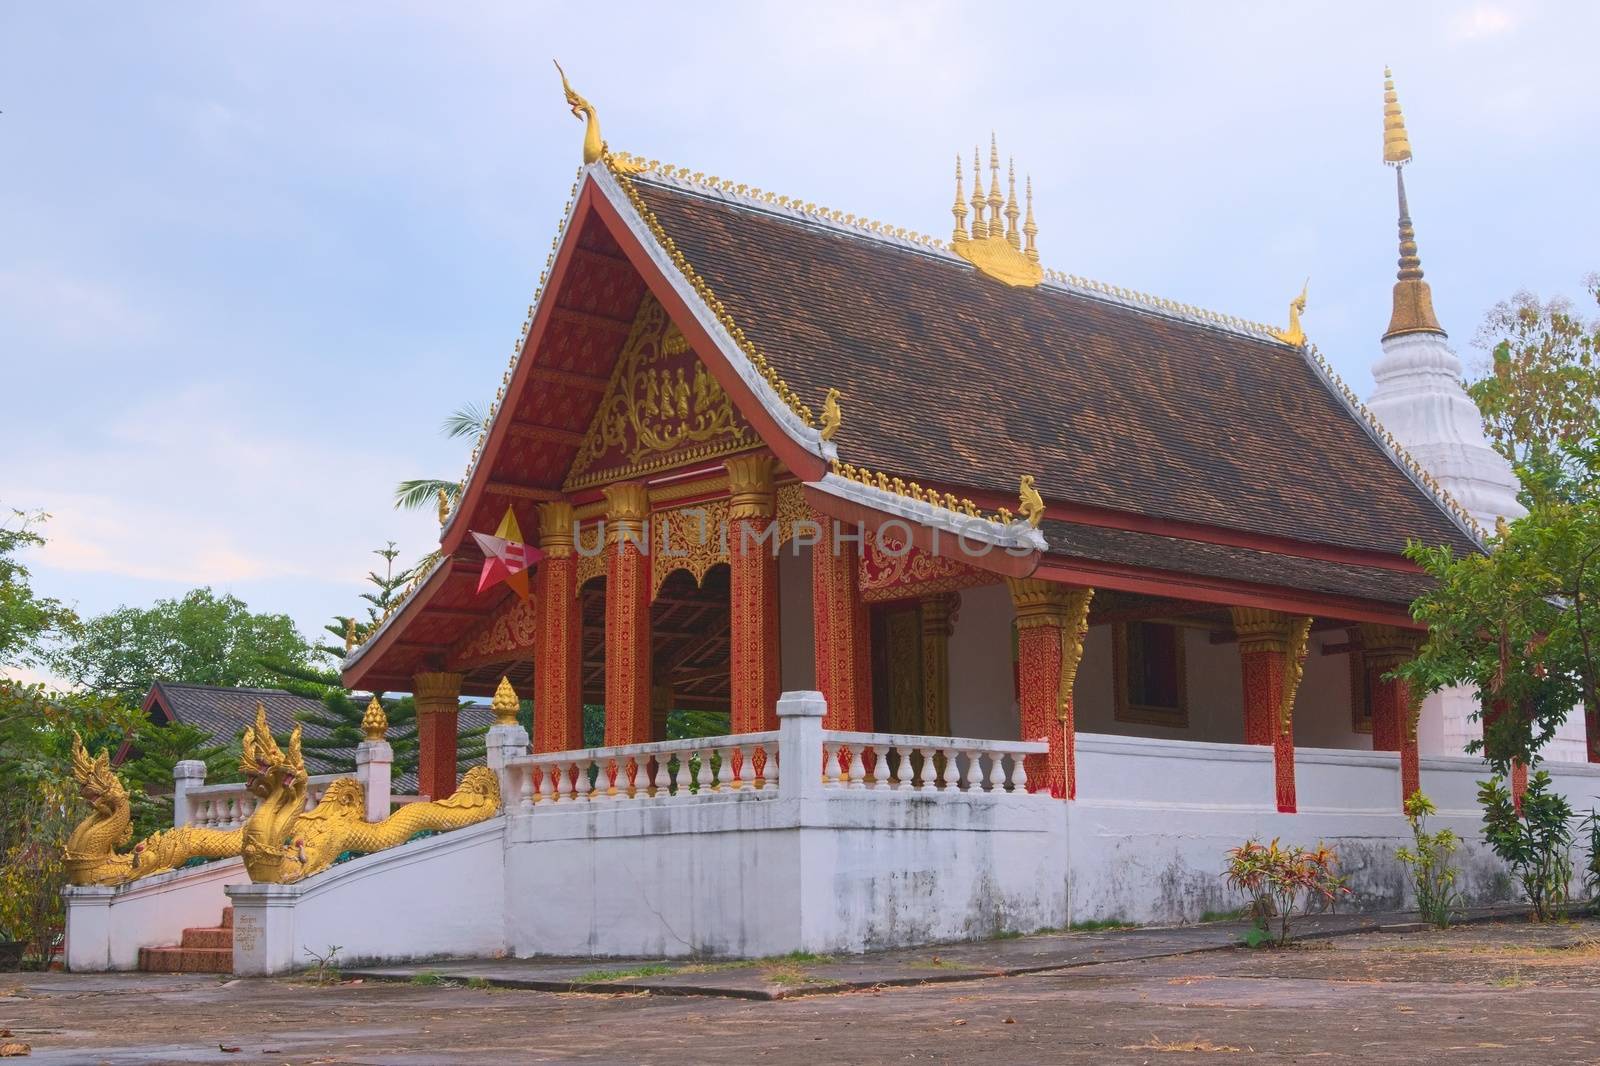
[[671, 768], [228, 806], [924, 764]]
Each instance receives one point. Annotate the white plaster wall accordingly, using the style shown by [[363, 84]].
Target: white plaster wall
[[982, 690], [439, 896], [1322, 705], [748, 875], [1211, 672], [106, 926], [797, 656]]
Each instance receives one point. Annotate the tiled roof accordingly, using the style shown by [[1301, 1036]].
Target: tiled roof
[[950, 377], [224, 712]]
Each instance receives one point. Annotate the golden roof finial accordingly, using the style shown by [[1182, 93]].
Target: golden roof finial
[[995, 243], [996, 226], [444, 507], [593, 146], [832, 416], [1029, 229], [1295, 334], [1396, 145], [1013, 236], [505, 703], [1029, 503], [980, 229], [374, 723], [349, 635], [959, 208], [1413, 300]]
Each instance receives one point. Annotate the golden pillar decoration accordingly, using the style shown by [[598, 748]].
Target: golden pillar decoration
[[1052, 620], [374, 723], [558, 641], [1394, 710], [753, 594], [627, 615], [840, 629], [505, 703], [938, 624], [438, 699], [1272, 648]]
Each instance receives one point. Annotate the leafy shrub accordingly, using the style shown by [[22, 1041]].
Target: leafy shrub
[[1277, 877], [1536, 842], [1429, 860]]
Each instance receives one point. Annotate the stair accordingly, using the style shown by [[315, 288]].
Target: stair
[[202, 950]]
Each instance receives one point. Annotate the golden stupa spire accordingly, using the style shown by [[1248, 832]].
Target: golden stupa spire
[[980, 229], [996, 203], [1013, 236], [995, 243], [1413, 299], [959, 208], [1030, 230]]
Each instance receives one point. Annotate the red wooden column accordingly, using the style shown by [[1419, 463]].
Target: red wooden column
[[840, 628], [1272, 654], [627, 615], [438, 699], [753, 594], [1394, 712], [1052, 620], [558, 642]]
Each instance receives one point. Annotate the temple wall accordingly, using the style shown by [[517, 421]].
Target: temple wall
[[797, 667], [1322, 716], [982, 690], [106, 925]]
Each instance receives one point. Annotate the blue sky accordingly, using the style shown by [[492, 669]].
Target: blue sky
[[251, 254]]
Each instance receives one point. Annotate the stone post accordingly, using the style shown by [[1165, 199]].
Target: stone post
[[1272, 652], [506, 740], [186, 774], [800, 718], [840, 628], [375, 762], [558, 639], [753, 594], [627, 615], [1052, 621], [438, 697]]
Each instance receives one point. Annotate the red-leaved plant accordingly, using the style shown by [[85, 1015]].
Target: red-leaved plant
[[1277, 877]]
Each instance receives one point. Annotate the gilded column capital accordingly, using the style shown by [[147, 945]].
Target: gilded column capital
[[627, 506], [750, 489], [1049, 603], [939, 613], [1259, 629], [436, 691], [557, 528], [1386, 647]]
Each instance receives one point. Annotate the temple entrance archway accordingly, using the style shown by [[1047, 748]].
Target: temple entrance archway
[[689, 641]]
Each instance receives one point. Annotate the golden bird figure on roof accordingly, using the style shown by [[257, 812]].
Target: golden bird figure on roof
[[832, 416], [1031, 503]]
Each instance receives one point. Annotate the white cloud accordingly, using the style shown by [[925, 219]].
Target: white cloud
[[1483, 20]]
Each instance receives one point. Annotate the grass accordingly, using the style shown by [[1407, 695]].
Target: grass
[[785, 974], [1097, 924], [597, 976], [478, 982], [427, 979], [1223, 916], [1008, 934]]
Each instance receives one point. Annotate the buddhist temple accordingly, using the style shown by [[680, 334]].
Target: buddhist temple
[[1025, 595]]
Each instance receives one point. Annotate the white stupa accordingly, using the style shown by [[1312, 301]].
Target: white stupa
[[1420, 399]]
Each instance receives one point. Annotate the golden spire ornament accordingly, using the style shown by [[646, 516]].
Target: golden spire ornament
[[374, 723], [1030, 503], [959, 208], [1412, 310], [996, 245], [505, 703], [1295, 334], [444, 507], [349, 635], [832, 416]]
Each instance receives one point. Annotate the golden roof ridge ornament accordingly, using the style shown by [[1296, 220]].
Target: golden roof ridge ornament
[[1295, 334], [995, 244], [594, 146], [1413, 299]]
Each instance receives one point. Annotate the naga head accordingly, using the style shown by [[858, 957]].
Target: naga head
[[265, 767], [580, 106], [97, 784]]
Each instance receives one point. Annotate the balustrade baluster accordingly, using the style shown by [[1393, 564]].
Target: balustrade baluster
[[927, 773], [880, 767], [974, 771], [747, 766], [702, 778], [682, 778], [585, 788], [830, 763], [952, 772], [1019, 776], [858, 769], [663, 782], [724, 770], [902, 773], [769, 772], [524, 787], [997, 772], [640, 779]]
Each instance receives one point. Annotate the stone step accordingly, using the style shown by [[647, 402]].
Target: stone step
[[186, 960], [208, 938]]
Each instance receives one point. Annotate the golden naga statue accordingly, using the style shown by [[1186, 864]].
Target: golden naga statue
[[91, 854], [594, 146], [283, 842], [832, 416], [1295, 334], [1030, 503]]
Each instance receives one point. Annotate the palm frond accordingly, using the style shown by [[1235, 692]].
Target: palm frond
[[465, 421], [422, 493]]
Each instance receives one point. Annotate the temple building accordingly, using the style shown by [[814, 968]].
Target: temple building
[[1026, 596]]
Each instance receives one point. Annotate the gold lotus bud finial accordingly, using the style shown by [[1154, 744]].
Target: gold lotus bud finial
[[505, 703], [1396, 144], [832, 416], [374, 723]]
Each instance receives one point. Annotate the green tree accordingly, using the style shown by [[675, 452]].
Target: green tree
[[1541, 394], [387, 589], [201, 638], [157, 753], [419, 493], [27, 620]]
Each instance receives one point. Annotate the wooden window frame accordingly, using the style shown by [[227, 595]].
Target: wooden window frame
[[1135, 714]]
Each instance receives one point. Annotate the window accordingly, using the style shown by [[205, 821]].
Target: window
[[1149, 664]]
